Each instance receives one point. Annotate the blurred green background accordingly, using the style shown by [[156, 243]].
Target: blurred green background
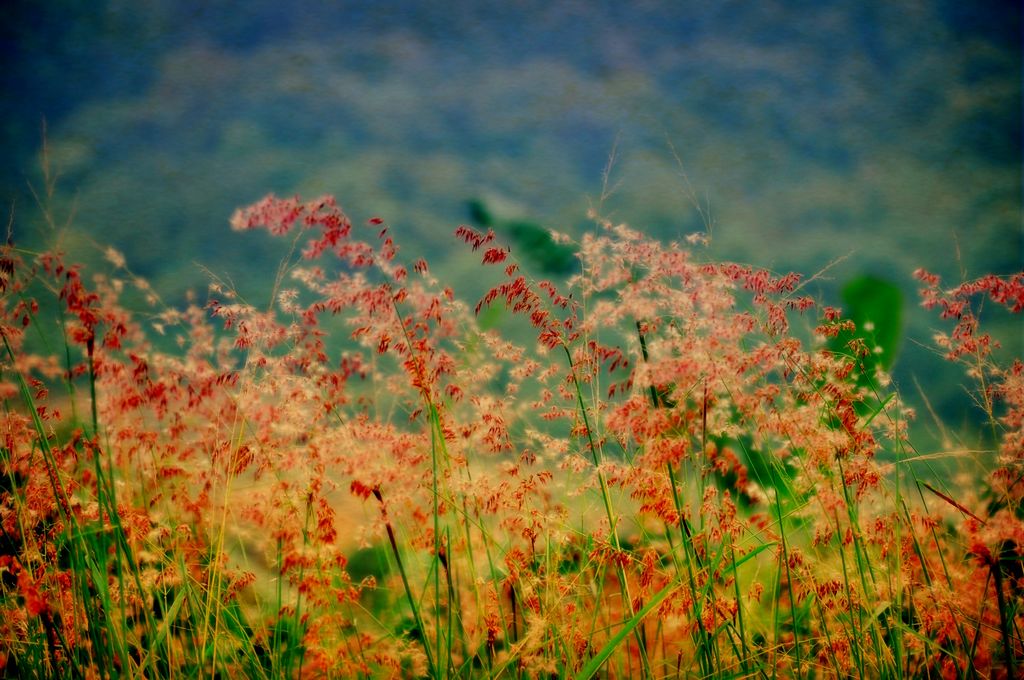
[[887, 132]]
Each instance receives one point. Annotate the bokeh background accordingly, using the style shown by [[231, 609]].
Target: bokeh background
[[882, 133]]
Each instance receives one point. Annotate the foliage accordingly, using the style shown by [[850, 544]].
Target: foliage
[[357, 480], [876, 308]]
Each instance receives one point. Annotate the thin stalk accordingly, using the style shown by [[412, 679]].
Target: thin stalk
[[739, 612], [703, 642], [276, 643], [926, 572], [438, 450], [691, 552], [789, 581], [431, 665], [213, 603], [435, 428], [90, 347], [861, 558], [114, 643], [606, 498], [897, 636], [1004, 617], [472, 559], [298, 595], [106, 493], [828, 641], [855, 621], [452, 601]]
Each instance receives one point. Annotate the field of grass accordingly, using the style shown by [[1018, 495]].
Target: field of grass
[[692, 470]]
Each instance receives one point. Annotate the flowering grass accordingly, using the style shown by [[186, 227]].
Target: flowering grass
[[691, 470]]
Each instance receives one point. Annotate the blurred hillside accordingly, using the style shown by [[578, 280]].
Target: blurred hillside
[[888, 132]]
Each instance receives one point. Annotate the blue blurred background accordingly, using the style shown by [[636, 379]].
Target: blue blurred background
[[888, 131]]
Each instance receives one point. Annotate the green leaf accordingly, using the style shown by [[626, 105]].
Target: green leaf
[[535, 244], [595, 663], [479, 214], [490, 316], [165, 625], [749, 556], [876, 307]]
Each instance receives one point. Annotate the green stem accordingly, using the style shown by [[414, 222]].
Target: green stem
[[1004, 626], [606, 498], [405, 583]]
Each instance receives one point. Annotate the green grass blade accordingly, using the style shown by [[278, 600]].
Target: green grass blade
[[749, 556], [165, 626], [595, 663]]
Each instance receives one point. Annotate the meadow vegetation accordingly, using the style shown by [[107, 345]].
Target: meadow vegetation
[[692, 469]]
